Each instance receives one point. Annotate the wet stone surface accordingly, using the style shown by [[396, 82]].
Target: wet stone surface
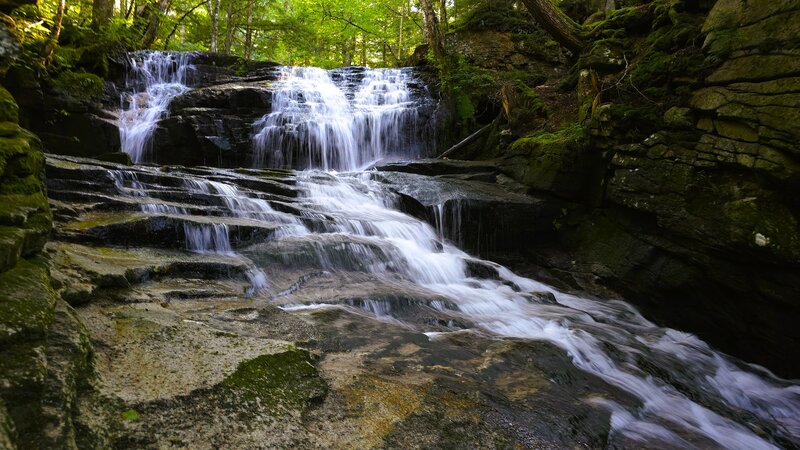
[[325, 332]]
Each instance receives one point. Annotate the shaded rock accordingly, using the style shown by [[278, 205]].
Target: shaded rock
[[561, 163]]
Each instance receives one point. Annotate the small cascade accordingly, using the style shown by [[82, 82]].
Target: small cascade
[[237, 204], [210, 238], [342, 124], [701, 398], [154, 79]]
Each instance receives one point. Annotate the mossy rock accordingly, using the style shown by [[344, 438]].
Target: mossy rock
[[282, 382], [27, 302], [604, 55], [499, 15], [23, 199], [78, 86], [561, 163], [94, 59], [765, 223], [9, 111], [45, 362]]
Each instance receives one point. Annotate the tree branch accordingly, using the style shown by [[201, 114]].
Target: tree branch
[[175, 28]]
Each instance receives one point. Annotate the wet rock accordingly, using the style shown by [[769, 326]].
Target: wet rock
[[487, 216], [676, 219], [543, 297], [216, 68]]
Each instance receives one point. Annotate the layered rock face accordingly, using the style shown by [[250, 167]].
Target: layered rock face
[[213, 123], [726, 202], [698, 223]]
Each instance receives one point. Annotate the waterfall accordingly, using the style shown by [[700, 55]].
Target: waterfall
[[338, 120], [154, 79], [344, 120], [606, 338]]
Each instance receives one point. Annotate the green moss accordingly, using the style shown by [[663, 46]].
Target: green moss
[[465, 111], [561, 163], [573, 133], [26, 301], [524, 109], [100, 219], [11, 241], [130, 414], [654, 68], [9, 111], [282, 381], [498, 16], [78, 85], [633, 19]]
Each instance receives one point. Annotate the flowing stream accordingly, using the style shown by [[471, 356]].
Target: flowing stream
[[689, 395]]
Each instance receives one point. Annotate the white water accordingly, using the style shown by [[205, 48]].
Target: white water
[[313, 114], [154, 79], [211, 238], [319, 123], [583, 328]]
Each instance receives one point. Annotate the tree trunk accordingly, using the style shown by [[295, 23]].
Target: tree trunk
[[102, 11], [248, 37], [151, 33], [231, 28], [563, 29], [179, 23], [213, 12], [443, 15], [50, 47], [363, 49], [400, 52], [347, 54], [432, 31]]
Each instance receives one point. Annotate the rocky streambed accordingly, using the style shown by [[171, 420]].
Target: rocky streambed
[[184, 357], [344, 346]]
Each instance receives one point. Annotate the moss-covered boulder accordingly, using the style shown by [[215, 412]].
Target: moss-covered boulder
[[560, 163]]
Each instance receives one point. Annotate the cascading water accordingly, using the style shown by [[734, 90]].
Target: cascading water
[[609, 339], [347, 124], [154, 79], [212, 238], [338, 121]]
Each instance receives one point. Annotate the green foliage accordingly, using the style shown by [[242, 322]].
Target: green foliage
[[498, 16], [468, 87], [523, 108]]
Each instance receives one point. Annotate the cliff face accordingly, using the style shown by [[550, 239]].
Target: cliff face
[[727, 201], [679, 180]]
